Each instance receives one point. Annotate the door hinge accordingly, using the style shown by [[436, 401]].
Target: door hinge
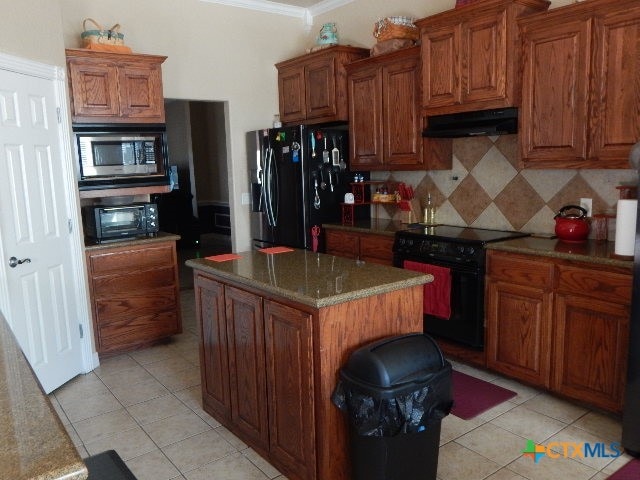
[[70, 224], [81, 330], [58, 114]]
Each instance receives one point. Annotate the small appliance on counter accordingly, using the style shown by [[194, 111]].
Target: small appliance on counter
[[117, 222]]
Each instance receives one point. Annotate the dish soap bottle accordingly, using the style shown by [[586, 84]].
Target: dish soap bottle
[[429, 212]]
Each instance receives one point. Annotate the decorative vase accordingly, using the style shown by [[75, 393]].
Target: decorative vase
[[328, 34]]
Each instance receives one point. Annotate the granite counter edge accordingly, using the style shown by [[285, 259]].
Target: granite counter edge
[[309, 301]]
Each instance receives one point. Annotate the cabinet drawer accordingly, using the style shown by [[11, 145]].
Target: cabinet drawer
[[342, 243], [138, 259], [376, 247], [611, 286], [136, 329], [134, 304], [134, 282], [520, 270]]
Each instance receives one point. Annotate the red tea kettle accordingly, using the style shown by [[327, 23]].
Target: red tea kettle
[[572, 224]]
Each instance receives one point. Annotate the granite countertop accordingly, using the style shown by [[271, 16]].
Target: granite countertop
[[309, 278], [379, 226], [33, 442], [591, 251], [135, 241]]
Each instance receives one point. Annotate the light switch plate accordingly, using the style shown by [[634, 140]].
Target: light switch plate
[[246, 199]]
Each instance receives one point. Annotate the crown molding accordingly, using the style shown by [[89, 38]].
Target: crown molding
[[283, 9]]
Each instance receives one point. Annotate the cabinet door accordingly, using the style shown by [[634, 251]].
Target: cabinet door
[[441, 82], [555, 93], [290, 385], [320, 93], [291, 88], [519, 331], [590, 350], [616, 88], [484, 58], [376, 249], [365, 112], [342, 244], [94, 89], [214, 365], [401, 122], [247, 378], [141, 93]]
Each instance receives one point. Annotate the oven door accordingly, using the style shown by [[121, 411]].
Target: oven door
[[465, 323]]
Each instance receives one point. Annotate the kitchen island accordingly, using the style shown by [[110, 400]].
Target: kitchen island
[[275, 330]]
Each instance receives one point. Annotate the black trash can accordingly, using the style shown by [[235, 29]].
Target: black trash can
[[395, 393]]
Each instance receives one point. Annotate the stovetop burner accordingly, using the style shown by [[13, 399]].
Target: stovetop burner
[[459, 234]]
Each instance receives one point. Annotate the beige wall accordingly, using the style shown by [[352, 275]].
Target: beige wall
[[32, 29]]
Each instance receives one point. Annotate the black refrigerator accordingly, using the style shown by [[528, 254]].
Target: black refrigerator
[[298, 178], [631, 409]]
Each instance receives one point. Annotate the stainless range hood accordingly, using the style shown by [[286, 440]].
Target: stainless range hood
[[500, 121]]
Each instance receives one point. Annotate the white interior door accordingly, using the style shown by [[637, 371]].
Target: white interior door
[[38, 231]]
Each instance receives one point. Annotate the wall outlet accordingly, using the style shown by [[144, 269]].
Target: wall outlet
[[246, 199], [586, 204]]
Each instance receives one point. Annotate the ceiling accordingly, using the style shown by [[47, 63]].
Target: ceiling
[[306, 9]]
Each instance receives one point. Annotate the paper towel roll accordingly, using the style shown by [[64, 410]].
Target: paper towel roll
[[626, 227]]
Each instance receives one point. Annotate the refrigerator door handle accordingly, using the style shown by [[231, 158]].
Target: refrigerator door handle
[[273, 189], [268, 188]]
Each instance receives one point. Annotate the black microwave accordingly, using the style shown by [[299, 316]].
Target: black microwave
[[110, 222], [121, 155]]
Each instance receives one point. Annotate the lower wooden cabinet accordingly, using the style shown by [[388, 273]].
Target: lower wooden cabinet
[[255, 353], [134, 295], [560, 325], [367, 247]]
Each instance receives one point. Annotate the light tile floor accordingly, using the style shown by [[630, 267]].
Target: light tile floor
[[146, 405]]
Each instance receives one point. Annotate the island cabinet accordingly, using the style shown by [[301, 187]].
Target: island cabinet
[[580, 85], [559, 324], [273, 339], [471, 56], [134, 293], [312, 88], [115, 87], [367, 247], [384, 111]]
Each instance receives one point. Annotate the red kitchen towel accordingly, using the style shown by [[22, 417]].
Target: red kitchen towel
[[276, 250], [223, 257], [437, 294]]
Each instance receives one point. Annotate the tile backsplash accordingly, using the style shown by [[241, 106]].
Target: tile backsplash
[[486, 188]]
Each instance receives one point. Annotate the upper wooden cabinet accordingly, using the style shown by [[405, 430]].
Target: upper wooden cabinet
[[471, 55], [384, 110], [115, 87], [581, 97], [313, 88]]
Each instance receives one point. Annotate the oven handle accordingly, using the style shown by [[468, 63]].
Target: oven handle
[[398, 261]]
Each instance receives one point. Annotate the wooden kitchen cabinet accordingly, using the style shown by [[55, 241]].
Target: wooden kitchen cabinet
[[253, 352], [559, 324], [471, 56], [384, 111], [134, 295], [519, 316], [367, 247], [580, 96], [312, 88], [115, 87]]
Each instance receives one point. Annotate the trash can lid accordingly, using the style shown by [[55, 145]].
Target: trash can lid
[[395, 361]]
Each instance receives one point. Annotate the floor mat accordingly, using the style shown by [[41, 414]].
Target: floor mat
[[472, 396], [631, 471]]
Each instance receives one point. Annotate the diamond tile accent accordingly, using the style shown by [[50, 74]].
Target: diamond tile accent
[[470, 199], [571, 193], [493, 172], [492, 218], [471, 150], [548, 183], [448, 180], [519, 202], [508, 145]]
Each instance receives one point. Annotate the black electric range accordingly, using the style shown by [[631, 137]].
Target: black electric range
[[460, 252]]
